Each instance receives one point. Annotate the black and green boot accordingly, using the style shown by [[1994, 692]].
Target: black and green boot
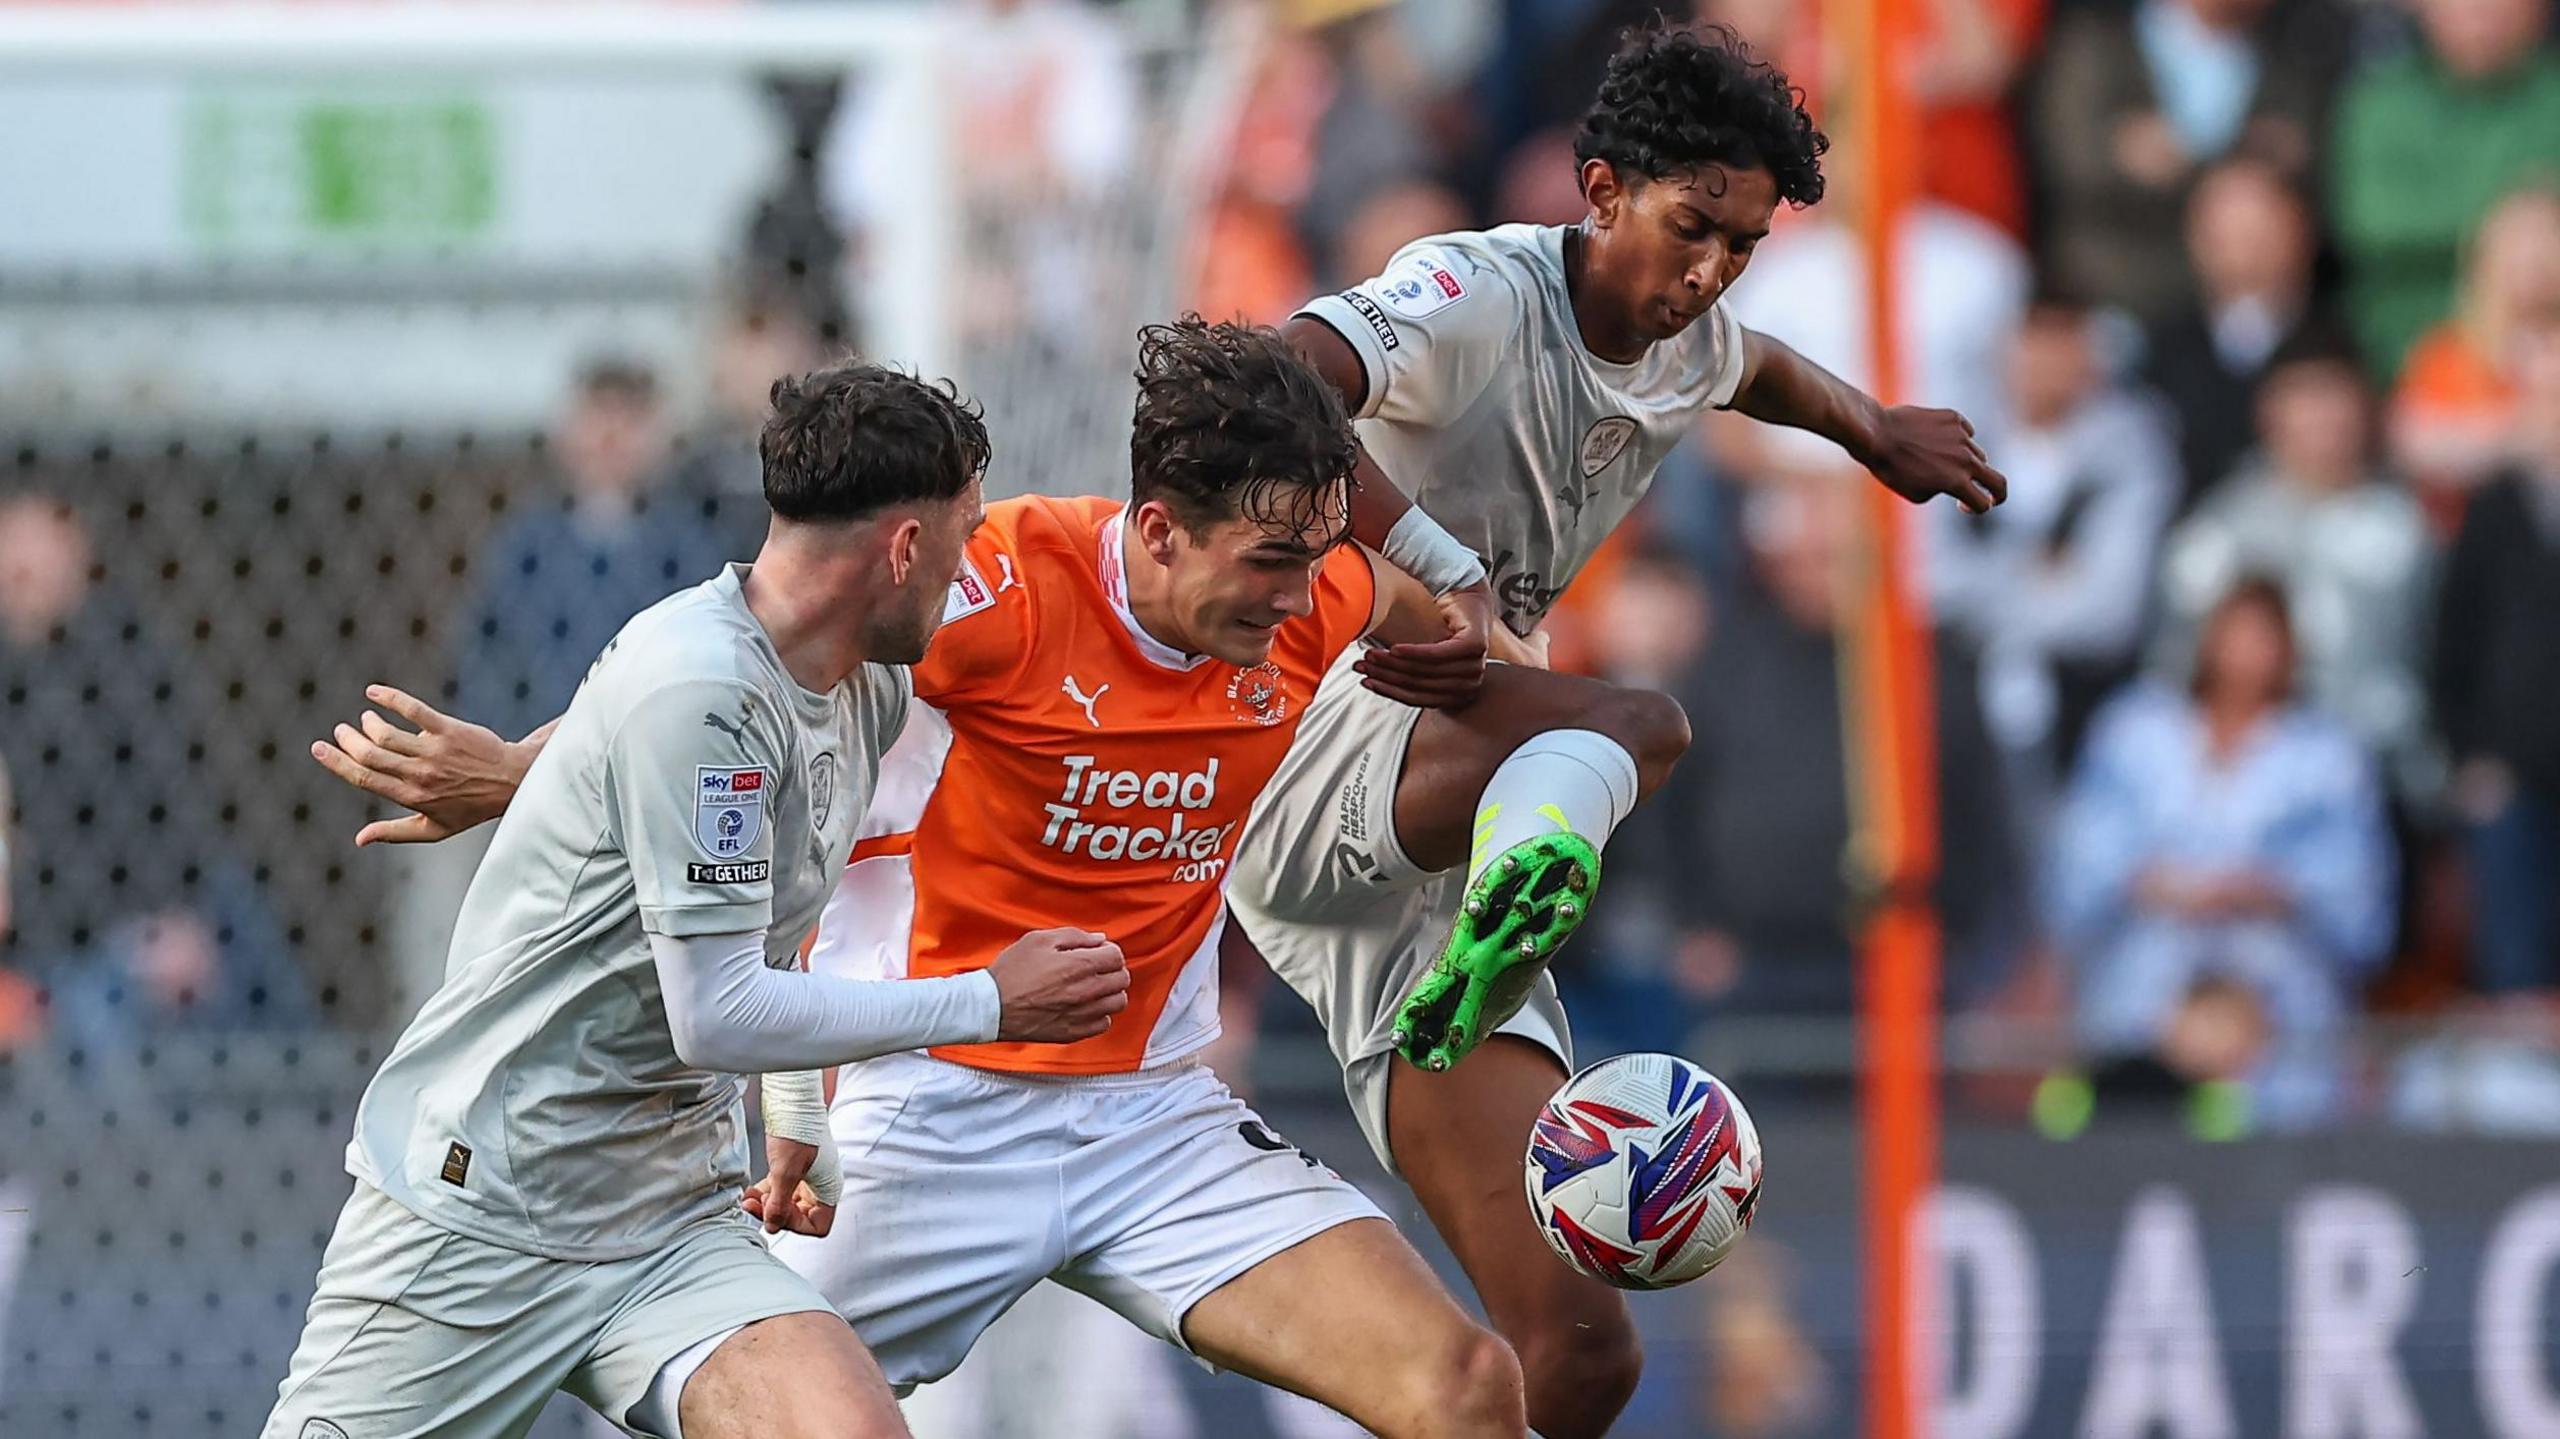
[[1511, 921]]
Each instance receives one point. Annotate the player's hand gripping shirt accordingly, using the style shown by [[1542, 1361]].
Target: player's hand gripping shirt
[[692, 789], [1485, 406], [1078, 773]]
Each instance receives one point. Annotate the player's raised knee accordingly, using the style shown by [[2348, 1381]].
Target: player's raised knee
[[1653, 728], [1579, 1375]]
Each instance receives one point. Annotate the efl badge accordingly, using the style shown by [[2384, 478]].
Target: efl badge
[[1421, 285], [728, 809]]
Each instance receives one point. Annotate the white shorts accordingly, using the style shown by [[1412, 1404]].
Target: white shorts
[[964, 1188], [416, 1330], [1325, 891]]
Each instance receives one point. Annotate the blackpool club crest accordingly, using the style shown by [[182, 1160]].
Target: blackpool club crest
[[1256, 694]]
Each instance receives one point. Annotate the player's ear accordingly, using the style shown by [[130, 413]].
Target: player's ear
[[1156, 525], [904, 535], [1602, 189]]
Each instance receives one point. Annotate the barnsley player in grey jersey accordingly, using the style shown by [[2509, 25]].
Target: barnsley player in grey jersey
[[1522, 384], [549, 1165]]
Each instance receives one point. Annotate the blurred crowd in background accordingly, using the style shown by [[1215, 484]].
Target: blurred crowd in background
[[2248, 701]]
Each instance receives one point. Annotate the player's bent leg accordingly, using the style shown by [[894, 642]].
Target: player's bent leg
[[794, 1376], [1535, 777], [1452, 756], [1353, 1319], [1458, 1138]]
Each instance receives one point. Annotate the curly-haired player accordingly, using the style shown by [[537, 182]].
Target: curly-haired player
[[1522, 384]]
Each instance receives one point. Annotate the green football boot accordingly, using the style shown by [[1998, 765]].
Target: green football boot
[[1511, 921]]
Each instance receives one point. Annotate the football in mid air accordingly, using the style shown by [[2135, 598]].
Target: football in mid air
[[1644, 1171]]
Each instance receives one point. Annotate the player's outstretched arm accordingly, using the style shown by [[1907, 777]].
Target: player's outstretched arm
[[450, 773], [1918, 453], [1051, 985], [727, 1011]]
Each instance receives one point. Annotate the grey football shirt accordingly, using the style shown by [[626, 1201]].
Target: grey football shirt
[[692, 788], [1485, 406]]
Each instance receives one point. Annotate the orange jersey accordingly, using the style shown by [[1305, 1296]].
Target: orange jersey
[[1083, 774]]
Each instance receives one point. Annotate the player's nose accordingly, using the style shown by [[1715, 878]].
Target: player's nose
[[1706, 276], [1292, 601]]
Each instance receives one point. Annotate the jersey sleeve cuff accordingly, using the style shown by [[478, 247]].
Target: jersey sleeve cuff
[[694, 920], [1729, 383], [983, 1003], [1370, 334]]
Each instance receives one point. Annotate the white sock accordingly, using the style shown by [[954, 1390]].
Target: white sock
[[1576, 780]]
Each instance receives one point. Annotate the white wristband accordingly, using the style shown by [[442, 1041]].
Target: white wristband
[[1417, 545], [795, 1108]]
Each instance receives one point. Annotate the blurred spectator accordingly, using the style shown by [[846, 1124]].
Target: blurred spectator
[[1388, 221], [121, 902], [2134, 100], [1541, 182], [1964, 285], [1253, 265], [556, 582], [1371, 134], [2424, 145], [1963, 68], [1042, 111], [1546, 68], [2453, 416], [716, 480], [2497, 692], [2053, 587], [1764, 797], [2225, 835], [1963, 60], [2311, 511], [1634, 986], [2250, 242]]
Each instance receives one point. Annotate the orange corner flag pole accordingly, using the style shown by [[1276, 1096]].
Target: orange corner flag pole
[[1891, 717]]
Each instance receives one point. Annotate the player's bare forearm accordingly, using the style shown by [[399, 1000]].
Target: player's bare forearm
[[1431, 648], [1406, 612], [1781, 387], [1916, 452]]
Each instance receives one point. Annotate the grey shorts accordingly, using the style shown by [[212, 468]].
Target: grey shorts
[[1338, 910], [416, 1330]]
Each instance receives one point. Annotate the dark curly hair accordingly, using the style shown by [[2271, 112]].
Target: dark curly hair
[[1232, 423], [1674, 100], [850, 440]]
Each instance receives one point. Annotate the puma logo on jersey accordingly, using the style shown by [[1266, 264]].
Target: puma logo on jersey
[[1069, 688], [1004, 563], [734, 729]]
